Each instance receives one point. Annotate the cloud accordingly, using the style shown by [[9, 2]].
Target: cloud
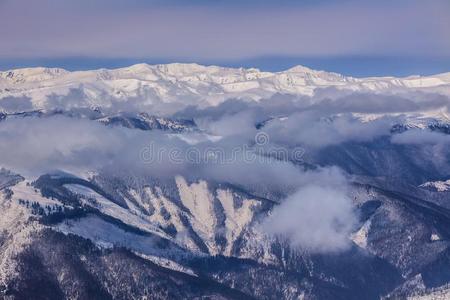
[[15, 104], [47, 144], [241, 123], [317, 217], [429, 144], [315, 212], [313, 129], [39, 145], [33, 146], [316, 121], [75, 98], [420, 137], [329, 117], [332, 100]]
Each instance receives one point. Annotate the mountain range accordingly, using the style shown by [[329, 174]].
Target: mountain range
[[344, 195]]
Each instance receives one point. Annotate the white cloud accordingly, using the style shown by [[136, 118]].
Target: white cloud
[[318, 218]]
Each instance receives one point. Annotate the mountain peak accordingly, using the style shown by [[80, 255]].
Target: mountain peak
[[300, 69], [137, 67]]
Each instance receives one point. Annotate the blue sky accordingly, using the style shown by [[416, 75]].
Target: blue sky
[[360, 38]]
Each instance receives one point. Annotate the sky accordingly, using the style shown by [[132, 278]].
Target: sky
[[359, 38]]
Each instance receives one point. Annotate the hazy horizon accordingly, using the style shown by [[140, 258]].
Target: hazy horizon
[[357, 38]]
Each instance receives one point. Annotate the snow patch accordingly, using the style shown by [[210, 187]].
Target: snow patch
[[360, 237], [439, 186], [435, 237], [236, 219], [167, 263], [109, 208], [197, 198]]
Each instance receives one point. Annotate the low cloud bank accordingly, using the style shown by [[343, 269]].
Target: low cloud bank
[[39, 145]]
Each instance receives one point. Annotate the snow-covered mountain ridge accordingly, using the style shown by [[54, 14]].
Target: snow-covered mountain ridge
[[207, 85]]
